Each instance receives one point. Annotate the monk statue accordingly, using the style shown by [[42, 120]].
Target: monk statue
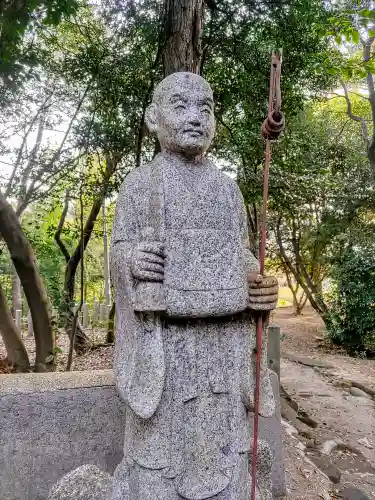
[[187, 291]]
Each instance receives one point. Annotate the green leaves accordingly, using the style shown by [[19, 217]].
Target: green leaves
[[20, 24], [355, 36], [52, 357], [347, 29], [320, 184], [365, 14], [352, 320]]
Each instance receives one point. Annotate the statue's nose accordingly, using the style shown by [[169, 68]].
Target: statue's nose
[[194, 121]]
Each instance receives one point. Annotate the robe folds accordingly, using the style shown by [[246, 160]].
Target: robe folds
[[186, 367]]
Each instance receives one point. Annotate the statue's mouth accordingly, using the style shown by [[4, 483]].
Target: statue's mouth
[[194, 132]]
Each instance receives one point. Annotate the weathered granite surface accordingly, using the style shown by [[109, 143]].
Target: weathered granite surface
[[184, 286], [270, 432], [273, 348], [85, 483], [52, 423]]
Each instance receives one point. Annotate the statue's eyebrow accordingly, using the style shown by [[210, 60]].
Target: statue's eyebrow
[[208, 101], [177, 97]]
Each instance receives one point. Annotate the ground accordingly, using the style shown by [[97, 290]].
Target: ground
[[323, 394]]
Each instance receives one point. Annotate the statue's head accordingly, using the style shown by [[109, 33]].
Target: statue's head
[[182, 114]]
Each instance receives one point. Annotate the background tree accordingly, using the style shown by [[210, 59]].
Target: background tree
[[320, 184], [81, 108], [351, 299], [353, 25], [20, 23]]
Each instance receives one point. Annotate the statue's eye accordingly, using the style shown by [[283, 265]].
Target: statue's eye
[[206, 110], [179, 107]]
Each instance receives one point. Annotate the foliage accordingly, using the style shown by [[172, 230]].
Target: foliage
[[320, 181], [349, 25], [238, 65], [351, 322], [355, 22], [19, 24]]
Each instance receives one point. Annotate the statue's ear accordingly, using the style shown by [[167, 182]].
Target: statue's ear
[[151, 118]]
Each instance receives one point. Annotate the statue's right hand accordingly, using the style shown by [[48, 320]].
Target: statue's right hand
[[148, 261]]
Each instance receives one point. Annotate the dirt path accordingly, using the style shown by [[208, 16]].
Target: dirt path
[[325, 397], [340, 416], [303, 479]]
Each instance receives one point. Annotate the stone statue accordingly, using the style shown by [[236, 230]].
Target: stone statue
[[187, 290]]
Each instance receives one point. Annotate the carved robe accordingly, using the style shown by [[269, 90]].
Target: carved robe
[[187, 375]]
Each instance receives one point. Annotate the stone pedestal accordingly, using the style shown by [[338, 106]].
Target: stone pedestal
[[103, 312]]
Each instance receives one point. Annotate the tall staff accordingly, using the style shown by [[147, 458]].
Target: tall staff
[[271, 128]]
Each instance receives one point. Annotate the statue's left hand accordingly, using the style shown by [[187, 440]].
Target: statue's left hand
[[263, 292]]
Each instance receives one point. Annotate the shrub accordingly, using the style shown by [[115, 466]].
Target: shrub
[[351, 322]]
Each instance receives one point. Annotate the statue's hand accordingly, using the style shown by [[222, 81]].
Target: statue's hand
[[263, 292], [148, 261]]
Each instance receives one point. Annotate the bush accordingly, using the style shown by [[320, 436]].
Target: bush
[[351, 322]]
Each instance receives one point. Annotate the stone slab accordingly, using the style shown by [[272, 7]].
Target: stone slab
[[273, 349], [48, 429], [358, 393], [270, 430], [28, 383], [54, 423], [351, 493]]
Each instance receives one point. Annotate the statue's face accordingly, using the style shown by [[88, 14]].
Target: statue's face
[[184, 116]]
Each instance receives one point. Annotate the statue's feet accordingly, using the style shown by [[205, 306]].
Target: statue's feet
[[87, 482]]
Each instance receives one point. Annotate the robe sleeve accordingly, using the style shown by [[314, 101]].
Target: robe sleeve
[[125, 235], [139, 357]]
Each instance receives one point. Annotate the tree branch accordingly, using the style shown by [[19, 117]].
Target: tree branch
[[294, 269], [301, 268], [58, 240], [49, 165], [22, 146], [349, 111], [357, 118]]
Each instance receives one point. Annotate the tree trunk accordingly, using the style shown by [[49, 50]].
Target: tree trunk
[[367, 56], [111, 325], [300, 277], [16, 292], [24, 262], [16, 352], [183, 36], [81, 343], [107, 281], [301, 304]]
